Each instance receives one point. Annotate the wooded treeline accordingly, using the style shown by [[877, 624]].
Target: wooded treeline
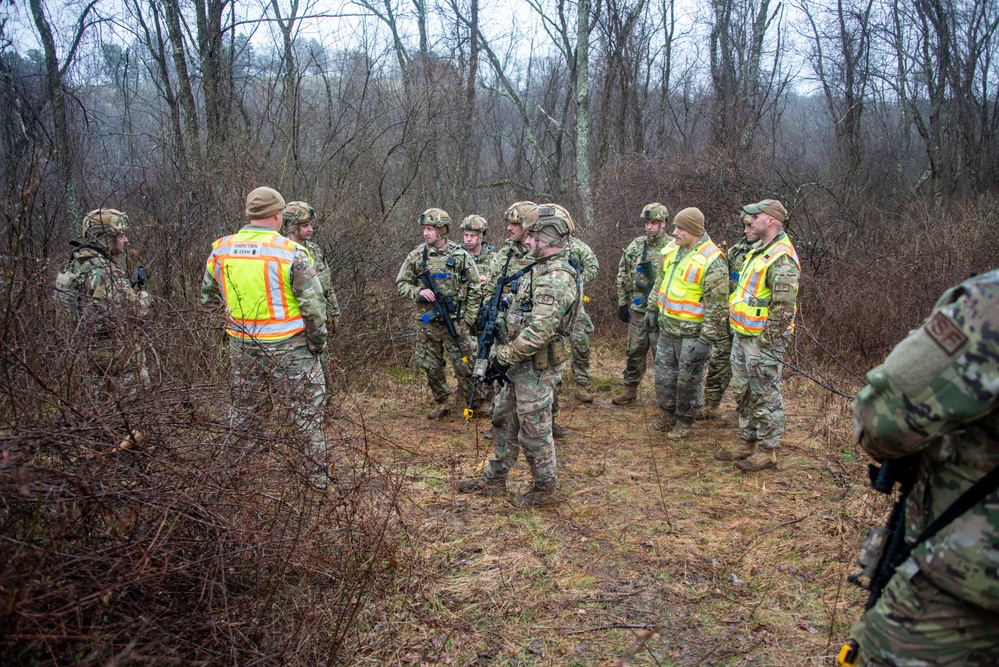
[[861, 114]]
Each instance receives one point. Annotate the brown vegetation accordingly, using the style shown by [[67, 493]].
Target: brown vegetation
[[133, 531]]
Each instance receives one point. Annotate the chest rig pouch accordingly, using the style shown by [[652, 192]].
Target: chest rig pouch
[[551, 355]]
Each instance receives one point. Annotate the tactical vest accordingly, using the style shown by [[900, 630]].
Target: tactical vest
[[253, 270], [749, 305], [681, 294]]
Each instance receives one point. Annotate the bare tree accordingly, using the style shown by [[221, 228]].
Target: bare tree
[[55, 72], [840, 56], [743, 88]]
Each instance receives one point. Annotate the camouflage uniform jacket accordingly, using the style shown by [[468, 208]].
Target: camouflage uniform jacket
[[520, 258], [938, 393], [94, 289], [736, 255], [641, 253], [584, 255], [304, 286], [714, 296], [484, 258], [325, 276], [543, 310], [459, 281], [785, 273]]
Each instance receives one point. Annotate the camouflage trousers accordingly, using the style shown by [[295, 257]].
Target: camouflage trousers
[[119, 366], [281, 386], [640, 342], [432, 343], [756, 385], [679, 372], [522, 419], [719, 371], [580, 339], [917, 624]]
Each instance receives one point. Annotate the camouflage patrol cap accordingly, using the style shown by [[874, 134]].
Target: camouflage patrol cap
[[436, 217], [655, 211], [549, 217], [475, 223], [103, 221], [297, 213], [516, 212], [771, 207]]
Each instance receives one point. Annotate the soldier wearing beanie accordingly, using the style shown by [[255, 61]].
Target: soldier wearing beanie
[[692, 314], [761, 313], [276, 322]]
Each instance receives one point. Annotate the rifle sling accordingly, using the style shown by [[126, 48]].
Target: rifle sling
[[968, 499]]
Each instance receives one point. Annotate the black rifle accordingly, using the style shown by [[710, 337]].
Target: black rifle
[[443, 307], [884, 547], [490, 325], [644, 284], [140, 277]]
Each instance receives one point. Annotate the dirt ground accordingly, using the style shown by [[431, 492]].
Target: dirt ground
[[657, 555]]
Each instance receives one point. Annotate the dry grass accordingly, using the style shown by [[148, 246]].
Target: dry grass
[[658, 550]]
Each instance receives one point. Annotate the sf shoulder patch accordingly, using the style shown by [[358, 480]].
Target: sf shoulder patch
[[545, 299], [782, 287], [945, 333]]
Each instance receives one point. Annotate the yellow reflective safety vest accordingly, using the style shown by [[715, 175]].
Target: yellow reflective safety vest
[[749, 304], [253, 270], [682, 288]]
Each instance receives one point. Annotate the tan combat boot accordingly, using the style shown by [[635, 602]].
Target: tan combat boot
[[559, 432], [710, 411], [742, 450], [541, 494], [582, 395], [665, 420], [627, 395], [484, 487], [761, 460], [682, 430], [442, 409]]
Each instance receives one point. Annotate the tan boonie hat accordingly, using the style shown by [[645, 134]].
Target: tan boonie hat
[[771, 207], [263, 203], [298, 213], [690, 220]]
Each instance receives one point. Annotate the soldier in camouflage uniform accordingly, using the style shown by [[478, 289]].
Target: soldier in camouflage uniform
[[638, 276], [276, 322], [937, 393], [580, 365], [720, 362], [692, 312], [473, 238], [761, 314], [457, 279], [529, 360], [299, 225], [104, 306]]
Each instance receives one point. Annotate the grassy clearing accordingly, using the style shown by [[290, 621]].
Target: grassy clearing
[[658, 554]]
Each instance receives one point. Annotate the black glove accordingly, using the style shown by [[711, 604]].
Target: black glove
[[480, 319], [497, 373], [420, 299], [623, 314]]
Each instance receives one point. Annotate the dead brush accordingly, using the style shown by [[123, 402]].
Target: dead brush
[[136, 526]]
